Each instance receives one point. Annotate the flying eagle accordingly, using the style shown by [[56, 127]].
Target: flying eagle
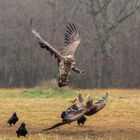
[[66, 60], [76, 111]]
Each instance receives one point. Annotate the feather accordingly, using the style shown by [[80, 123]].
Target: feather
[[71, 38], [98, 106], [45, 44], [56, 125]]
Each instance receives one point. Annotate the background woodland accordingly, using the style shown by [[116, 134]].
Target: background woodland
[[109, 50]]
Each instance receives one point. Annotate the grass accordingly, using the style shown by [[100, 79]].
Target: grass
[[40, 108], [49, 93], [36, 93]]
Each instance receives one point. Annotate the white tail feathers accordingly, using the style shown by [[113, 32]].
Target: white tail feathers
[[37, 35]]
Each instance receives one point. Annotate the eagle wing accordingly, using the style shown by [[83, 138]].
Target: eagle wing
[[54, 126], [72, 117], [73, 113], [72, 39], [98, 106], [46, 45]]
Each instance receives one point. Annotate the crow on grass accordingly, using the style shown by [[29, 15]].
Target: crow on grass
[[22, 131], [81, 120], [13, 119]]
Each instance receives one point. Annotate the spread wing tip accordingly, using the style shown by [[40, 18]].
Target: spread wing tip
[[71, 33], [34, 31]]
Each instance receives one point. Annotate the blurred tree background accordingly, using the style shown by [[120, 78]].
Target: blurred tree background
[[109, 50]]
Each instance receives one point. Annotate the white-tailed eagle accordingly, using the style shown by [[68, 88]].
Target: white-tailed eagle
[[66, 60]]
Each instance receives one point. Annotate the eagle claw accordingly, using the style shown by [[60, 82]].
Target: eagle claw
[[83, 72]]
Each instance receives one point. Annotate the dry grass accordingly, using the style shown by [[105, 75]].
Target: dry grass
[[119, 120]]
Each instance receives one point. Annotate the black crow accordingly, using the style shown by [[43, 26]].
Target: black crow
[[13, 119], [22, 131], [81, 120]]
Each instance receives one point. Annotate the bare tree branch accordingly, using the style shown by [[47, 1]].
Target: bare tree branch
[[99, 7], [116, 23], [123, 8], [87, 4]]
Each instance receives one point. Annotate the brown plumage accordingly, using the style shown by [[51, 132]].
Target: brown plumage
[[97, 106], [66, 60], [76, 111]]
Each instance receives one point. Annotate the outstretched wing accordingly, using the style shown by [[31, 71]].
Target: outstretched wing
[[56, 125], [46, 45], [98, 105], [72, 39], [101, 103]]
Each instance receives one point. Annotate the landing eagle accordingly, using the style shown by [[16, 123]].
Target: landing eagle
[[66, 60]]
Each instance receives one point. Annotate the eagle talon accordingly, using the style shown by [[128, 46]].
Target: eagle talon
[[83, 72]]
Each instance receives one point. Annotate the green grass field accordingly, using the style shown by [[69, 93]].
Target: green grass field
[[40, 108]]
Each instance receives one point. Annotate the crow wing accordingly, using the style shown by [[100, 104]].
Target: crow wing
[[11, 119], [46, 45], [72, 39]]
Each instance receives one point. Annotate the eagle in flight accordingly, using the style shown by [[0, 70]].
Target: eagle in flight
[[66, 60]]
